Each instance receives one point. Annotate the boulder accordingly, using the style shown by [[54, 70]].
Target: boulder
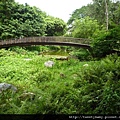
[[49, 63], [6, 86]]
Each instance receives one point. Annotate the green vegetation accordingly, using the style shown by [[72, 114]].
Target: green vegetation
[[92, 22], [87, 82], [84, 28], [19, 21], [68, 87], [55, 26], [105, 43], [97, 11]]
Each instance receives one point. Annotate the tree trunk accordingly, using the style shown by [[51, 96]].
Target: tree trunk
[[107, 19]]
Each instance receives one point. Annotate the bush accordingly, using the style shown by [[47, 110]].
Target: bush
[[4, 53], [84, 27], [69, 87], [99, 87], [106, 43], [63, 100], [82, 54]]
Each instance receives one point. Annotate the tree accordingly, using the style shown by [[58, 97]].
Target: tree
[[78, 14], [115, 13], [106, 12], [55, 26], [84, 27], [5, 12], [106, 6], [22, 21], [106, 42]]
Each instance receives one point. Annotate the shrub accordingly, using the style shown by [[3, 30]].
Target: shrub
[[99, 87], [82, 54], [42, 76], [69, 87], [4, 53], [106, 42], [63, 100]]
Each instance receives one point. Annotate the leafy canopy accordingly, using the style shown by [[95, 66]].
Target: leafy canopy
[[84, 27], [55, 26]]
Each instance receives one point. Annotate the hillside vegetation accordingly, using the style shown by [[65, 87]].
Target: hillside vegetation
[[69, 87], [87, 82]]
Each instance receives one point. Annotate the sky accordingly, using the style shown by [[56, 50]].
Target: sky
[[57, 8]]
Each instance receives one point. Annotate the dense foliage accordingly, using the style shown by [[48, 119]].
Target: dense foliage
[[55, 26], [18, 20], [80, 84], [84, 28], [100, 22], [97, 11], [23, 21], [106, 42], [74, 88], [98, 87]]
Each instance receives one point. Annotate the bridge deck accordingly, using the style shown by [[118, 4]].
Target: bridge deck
[[67, 41]]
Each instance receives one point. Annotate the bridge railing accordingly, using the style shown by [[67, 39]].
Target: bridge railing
[[45, 39]]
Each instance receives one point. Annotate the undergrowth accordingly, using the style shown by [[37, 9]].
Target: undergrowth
[[68, 87]]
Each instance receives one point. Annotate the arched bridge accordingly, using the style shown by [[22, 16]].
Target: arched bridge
[[65, 41]]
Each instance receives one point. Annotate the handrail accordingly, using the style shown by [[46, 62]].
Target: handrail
[[47, 40]]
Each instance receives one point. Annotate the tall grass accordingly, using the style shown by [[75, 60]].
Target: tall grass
[[68, 87]]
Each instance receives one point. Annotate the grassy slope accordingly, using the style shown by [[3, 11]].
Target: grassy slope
[[53, 87], [33, 76]]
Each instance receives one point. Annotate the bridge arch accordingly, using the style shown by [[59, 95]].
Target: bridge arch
[[51, 40]]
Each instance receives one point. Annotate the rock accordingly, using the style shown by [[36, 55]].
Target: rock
[[5, 86], [28, 96], [61, 58], [27, 59], [85, 65], [62, 75], [49, 63]]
